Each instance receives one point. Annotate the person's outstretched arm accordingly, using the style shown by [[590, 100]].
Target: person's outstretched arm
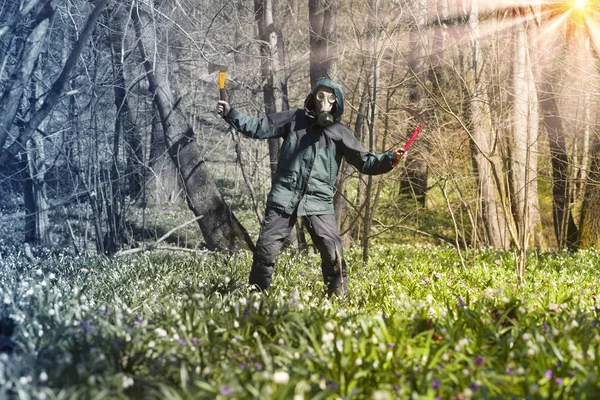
[[367, 162], [269, 127]]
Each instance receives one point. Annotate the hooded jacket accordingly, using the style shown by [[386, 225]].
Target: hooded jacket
[[310, 155]]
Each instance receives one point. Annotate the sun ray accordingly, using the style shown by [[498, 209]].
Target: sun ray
[[593, 30]]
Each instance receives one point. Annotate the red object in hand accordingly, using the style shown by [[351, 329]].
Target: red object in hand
[[413, 137]]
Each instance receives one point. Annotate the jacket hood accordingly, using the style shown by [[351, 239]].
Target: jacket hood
[[338, 109]]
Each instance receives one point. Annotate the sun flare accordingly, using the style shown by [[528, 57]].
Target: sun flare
[[580, 4]]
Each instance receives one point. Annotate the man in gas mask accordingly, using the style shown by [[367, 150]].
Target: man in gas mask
[[303, 186]]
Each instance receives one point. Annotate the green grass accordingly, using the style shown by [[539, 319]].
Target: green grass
[[415, 325]]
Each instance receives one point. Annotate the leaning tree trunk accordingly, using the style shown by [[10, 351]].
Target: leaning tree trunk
[[13, 91], [56, 90], [220, 228]]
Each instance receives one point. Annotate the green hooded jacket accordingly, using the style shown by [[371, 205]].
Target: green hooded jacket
[[310, 156]]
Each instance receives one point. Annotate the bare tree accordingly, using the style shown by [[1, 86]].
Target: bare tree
[[323, 31], [415, 181], [219, 226], [484, 142], [523, 146]]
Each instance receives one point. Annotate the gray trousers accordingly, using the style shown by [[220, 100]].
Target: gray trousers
[[323, 231]]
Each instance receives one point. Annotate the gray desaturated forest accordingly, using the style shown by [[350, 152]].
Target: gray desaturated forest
[[110, 142]]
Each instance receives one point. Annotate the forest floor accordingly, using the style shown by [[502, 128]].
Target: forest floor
[[416, 324]]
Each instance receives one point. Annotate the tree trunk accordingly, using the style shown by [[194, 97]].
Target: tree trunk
[[524, 146], [220, 228], [590, 213], [55, 91], [415, 181], [483, 146], [124, 125], [274, 79], [322, 16], [373, 83], [565, 229], [162, 181], [37, 222], [11, 98]]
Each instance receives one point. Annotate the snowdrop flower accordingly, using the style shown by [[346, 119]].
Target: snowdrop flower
[[327, 337], [281, 377], [127, 382], [43, 376], [381, 395], [161, 332], [574, 324]]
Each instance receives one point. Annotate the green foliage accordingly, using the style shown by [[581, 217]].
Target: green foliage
[[415, 325]]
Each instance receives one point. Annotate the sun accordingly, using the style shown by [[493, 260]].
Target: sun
[[580, 4]]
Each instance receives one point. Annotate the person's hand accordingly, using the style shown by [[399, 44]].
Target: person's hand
[[223, 108], [399, 155]]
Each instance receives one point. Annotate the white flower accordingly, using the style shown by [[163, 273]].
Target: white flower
[[127, 382], [327, 337], [358, 362], [574, 324], [161, 332], [236, 324], [381, 395], [52, 276], [281, 377], [329, 326], [43, 376]]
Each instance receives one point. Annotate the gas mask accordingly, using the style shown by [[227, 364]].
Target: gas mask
[[324, 100]]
